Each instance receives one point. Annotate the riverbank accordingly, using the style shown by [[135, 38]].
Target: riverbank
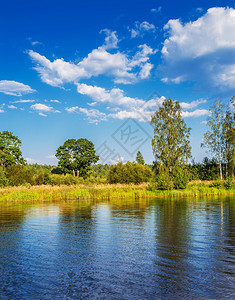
[[107, 192]]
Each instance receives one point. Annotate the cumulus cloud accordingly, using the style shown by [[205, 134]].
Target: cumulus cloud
[[93, 115], [202, 51], [195, 113], [122, 107], [14, 88], [111, 39], [193, 104], [141, 28], [43, 109], [119, 66]]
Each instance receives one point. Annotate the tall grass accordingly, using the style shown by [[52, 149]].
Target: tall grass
[[107, 191]]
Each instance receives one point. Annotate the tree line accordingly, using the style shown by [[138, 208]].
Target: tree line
[[77, 158]]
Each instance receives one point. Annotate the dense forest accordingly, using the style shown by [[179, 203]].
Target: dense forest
[[173, 167]]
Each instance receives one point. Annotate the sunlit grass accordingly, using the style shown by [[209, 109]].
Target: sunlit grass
[[106, 191]]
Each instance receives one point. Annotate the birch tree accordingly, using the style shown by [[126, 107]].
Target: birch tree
[[214, 138]]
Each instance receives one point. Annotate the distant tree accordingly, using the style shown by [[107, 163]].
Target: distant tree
[[214, 138], [76, 156], [171, 145], [10, 153], [139, 158]]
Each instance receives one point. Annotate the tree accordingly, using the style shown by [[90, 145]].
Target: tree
[[76, 156], [228, 134], [214, 138], [171, 145], [10, 153], [139, 158]]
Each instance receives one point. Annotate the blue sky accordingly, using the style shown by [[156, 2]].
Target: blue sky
[[99, 69]]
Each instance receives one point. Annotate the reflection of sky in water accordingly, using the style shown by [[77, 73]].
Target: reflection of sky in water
[[123, 249]]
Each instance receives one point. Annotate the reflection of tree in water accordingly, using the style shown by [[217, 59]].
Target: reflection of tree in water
[[11, 216], [172, 245], [231, 227]]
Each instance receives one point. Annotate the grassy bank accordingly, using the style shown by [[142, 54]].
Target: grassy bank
[[107, 191]]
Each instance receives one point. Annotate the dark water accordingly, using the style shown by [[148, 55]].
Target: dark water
[[157, 249]]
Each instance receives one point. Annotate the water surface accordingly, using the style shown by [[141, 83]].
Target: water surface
[[128, 249]]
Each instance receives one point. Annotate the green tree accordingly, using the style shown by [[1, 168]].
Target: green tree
[[214, 138], [171, 145], [10, 153], [139, 158], [228, 134], [76, 156]]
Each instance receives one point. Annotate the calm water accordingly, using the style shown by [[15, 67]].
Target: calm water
[[157, 249]]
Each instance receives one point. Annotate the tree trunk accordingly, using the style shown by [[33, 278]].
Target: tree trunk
[[77, 173], [73, 173]]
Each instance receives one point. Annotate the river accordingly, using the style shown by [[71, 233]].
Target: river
[[121, 249]]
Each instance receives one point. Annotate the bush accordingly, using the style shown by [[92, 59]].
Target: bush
[[216, 184], [229, 183], [130, 172], [67, 179], [164, 181], [180, 178]]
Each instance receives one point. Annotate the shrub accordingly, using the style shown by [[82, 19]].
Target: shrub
[[164, 181], [180, 178], [229, 183], [130, 172]]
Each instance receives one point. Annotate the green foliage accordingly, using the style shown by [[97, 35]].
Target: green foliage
[[130, 172], [229, 183], [180, 178], [66, 179], [139, 158], [171, 146], [164, 181], [19, 175], [3, 178], [216, 184], [219, 139], [76, 156], [10, 153]]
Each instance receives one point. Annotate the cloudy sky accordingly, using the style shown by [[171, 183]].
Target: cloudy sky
[[99, 69]]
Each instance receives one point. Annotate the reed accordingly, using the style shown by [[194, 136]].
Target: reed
[[106, 192]]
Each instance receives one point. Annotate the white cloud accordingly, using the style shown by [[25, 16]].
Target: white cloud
[[141, 28], [30, 160], [192, 104], [14, 88], [201, 51], [1, 111], [127, 107], [23, 101], [55, 101], [156, 10], [72, 110], [43, 109], [12, 107], [195, 113], [93, 115], [119, 66], [111, 39]]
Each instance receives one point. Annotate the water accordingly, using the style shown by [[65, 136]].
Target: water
[[143, 249]]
